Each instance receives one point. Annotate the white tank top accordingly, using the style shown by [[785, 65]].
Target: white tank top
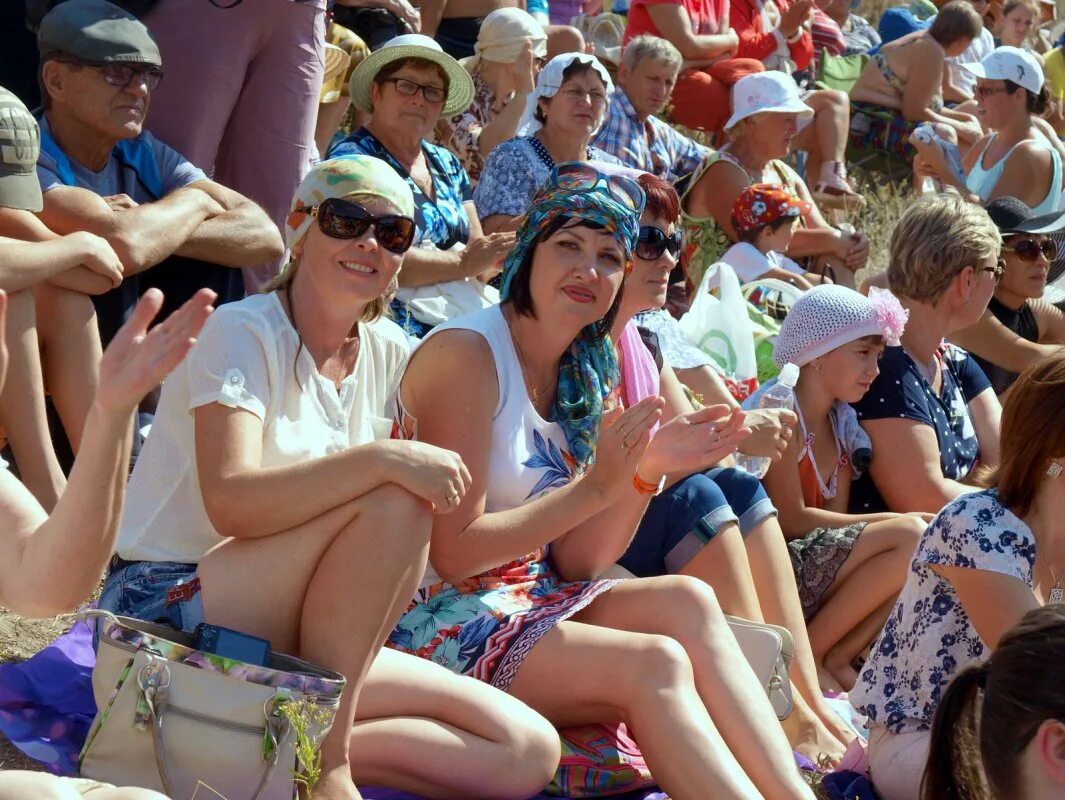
[[528, 456]]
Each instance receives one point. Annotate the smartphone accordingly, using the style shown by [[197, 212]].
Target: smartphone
[[231, 644]]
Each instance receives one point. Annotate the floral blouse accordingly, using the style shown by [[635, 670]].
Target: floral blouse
[[900, 391], [461, 134], [929, 638], [442, 221], [514, 171]]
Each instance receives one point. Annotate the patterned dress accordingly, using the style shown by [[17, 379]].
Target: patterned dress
[[461, 134], [487, 625]]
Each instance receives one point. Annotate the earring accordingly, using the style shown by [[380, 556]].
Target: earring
[[1054, 470]]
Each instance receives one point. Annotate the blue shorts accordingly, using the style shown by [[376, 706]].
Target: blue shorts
[[163, 592], [682, 520]]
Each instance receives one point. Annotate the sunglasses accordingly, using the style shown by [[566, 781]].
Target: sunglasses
[[574, 176], [652, 242], [987, 91], [1029, 249], [122, 76], [342, 219], [432, 94]]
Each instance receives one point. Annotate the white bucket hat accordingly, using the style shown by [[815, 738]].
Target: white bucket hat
[[412, 45], [766, 91], [549, 82], [1010, 64]]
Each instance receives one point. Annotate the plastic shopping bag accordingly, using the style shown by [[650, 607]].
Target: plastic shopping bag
[[721, 327]]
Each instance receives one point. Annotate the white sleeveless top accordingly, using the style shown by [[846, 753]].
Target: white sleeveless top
[[529, 456]]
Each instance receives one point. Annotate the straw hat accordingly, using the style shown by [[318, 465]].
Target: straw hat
[[412, 45], [336, 69]]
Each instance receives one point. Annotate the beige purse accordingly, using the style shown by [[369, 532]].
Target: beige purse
[[176, 720], [769, 650]]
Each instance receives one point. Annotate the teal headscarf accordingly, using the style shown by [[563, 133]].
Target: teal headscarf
[[589, 373]]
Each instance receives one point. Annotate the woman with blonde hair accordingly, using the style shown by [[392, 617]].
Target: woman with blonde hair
[[931, 413], [987, 559], [270, 494]]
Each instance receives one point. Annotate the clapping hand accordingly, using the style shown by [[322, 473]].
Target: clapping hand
[[138, 359], [623, 438], [694, 441]]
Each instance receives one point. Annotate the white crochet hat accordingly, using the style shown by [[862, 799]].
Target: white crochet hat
[[830, 316]]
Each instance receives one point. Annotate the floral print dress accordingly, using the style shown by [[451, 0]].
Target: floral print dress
[[486, 625], [929, 637]]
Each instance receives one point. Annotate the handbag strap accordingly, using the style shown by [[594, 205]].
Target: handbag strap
[[154, 682]]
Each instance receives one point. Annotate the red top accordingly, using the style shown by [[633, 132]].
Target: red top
[[704, 15], [745, 17]]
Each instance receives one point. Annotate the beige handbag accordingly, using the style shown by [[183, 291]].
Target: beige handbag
[[177, 720], [769, 650]]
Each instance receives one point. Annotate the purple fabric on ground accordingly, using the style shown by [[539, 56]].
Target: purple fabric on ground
[[373, 793]]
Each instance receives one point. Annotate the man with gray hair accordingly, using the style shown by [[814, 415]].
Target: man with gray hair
[[632, 133]]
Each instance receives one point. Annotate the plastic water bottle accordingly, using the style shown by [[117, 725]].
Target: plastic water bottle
[[779, 395]]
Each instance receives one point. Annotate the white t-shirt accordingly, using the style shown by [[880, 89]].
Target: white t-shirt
[[981, 46], [245, 358], [749, 263]]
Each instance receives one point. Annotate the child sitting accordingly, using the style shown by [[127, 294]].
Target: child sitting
[[849, 567], [765, 217]]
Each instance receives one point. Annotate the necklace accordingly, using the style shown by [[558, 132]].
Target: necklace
[[1056, 593], [534, 392]]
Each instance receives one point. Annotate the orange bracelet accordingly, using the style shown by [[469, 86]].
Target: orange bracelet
[[646, 487]]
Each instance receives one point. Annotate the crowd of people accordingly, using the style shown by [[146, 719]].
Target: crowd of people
[[410, 397]]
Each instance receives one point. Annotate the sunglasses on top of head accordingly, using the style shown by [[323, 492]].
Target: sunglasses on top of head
[[343, 219], [652, 242], [575, 176]]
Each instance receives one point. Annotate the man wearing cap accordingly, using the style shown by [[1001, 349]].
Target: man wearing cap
[[50, 331], [632, 133], [102, 172], [1019, 327]]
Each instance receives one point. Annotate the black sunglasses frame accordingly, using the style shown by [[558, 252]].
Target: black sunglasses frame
[[363, 220], [651, 249]]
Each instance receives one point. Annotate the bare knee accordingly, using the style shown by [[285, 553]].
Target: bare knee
[[391, 507], [658, 663], [690, 602], [65, 308], [532, 752]]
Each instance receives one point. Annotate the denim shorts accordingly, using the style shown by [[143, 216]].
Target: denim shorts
[[163, 592], [685, 518]]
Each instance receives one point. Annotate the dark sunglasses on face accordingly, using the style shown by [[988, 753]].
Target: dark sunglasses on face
[[342, 219], [432, 94], [121, 76], [575, 176], [1029, 249], [653, 242]]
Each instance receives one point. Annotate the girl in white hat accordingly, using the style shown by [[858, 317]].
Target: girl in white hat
[[849, 567]]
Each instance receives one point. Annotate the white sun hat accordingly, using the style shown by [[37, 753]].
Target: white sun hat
[[766, 91], [1010, 64], [412, 45]]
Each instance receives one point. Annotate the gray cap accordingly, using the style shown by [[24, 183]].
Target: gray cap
[[98, 32], [20, 144]]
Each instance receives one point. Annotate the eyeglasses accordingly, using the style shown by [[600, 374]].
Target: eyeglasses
[[996, 271], [432, 94], [987, 91], [122, 76], [575, 176], [576, 94], [652, 242], [1029, 249], [342, 219]]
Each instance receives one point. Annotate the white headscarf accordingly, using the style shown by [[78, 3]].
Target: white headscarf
[[502, 35], [550, 81]]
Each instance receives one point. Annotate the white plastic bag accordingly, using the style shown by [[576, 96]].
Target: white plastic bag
[[721, 327]]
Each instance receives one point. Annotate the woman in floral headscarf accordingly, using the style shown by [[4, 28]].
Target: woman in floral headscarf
[[270, 496], [559, 480]]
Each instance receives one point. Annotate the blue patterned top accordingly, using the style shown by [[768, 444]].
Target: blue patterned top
[[514, 171], [900, 391], [442, 221], [929, 638]]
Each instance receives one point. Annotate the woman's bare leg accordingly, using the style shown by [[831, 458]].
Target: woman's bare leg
[[23, 785], [779, 596], [70, 354], [839, 659], [22, 407], [684, 610], [723, 565], [422, 729], [330, 591]]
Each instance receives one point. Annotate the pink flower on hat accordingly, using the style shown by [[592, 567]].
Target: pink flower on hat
[[890, 314]]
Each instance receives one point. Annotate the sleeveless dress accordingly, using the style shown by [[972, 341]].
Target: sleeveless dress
[[981, 181], [487, 625], [705, 239]]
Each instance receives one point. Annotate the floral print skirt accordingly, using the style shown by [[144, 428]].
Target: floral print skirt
[[816, 559], [487, 625]]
